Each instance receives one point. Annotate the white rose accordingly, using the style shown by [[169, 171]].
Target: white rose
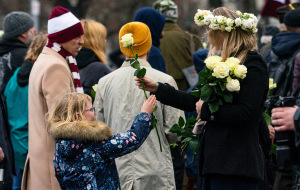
[[214, 26], [233, 85], [228, 28], [219, 19], [229, 22], [232, 62], [240, 71], [221, 70], [239, 13], [238, 22], [272, 85], [212, 61], [254, 30], [127, 40], [222, 27]]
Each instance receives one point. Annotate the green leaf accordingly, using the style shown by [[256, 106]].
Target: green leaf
[[187, 139], [213, 107], [181, 122], [228, 97], [194, 145], [155, 109], [196, 93], [223, 87], [136, 72], [206, 90], [173, 145], [93, 93], [135, 64], [267, 117], [141, 73], [205, 98], [190, 120], [154, 121], [175, 128], [127, 60]]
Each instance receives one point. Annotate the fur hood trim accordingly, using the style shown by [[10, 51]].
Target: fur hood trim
[[83, 130]]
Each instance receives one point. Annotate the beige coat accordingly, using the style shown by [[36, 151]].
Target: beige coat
[[50, 78], [117, 102]]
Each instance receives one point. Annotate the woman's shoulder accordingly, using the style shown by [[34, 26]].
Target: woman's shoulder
[[254, 58]]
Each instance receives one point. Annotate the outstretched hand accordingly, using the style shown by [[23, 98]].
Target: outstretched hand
[[149, 105], [149, 84]]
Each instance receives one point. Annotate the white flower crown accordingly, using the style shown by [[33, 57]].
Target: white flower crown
[[246, 21]]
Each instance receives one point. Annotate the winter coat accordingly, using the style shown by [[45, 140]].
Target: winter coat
[[155, 21], [16, 92], [8, 163], [90, 69], [86, 151], [117, 101], [50, 78], [231, 141], [12, 54], [177, 51]]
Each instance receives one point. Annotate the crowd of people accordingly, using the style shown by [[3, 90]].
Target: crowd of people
[[70, 121]]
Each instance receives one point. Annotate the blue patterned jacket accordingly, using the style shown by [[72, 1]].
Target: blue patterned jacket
[[86, 151]]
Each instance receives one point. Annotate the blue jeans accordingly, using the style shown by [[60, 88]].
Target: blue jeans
[[229, 182], [17, 179]]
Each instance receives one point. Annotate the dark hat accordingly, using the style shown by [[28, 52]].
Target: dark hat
[[281, 11], [16, 23], [270, 30], [292, 18]]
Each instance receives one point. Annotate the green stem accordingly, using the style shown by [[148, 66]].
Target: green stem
[[143, 82], [158, 136]]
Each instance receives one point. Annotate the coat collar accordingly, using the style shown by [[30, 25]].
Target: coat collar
[[83, 130], [142, 63], [50, 51]]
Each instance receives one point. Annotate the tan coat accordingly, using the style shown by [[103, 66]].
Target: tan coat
[[117, 102], [50, 78]]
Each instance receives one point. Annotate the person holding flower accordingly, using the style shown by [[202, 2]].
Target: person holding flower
[[233, 89], [117, 101]]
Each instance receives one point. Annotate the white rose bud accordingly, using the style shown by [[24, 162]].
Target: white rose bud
[[233, 85], [240, 71], [221, 70], [232, 62], [127, 40], [228, 28]]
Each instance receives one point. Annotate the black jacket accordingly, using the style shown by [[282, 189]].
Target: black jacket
[[231, 141], [90, 69], [12, 54]]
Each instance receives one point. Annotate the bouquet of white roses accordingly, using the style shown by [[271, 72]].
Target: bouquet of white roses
[[219, 81]]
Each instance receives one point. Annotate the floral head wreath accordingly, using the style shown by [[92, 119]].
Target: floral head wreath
[[246, 21]]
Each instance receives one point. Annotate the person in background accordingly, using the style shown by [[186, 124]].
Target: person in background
[[91, 59], [16, 93], [266, 39], [18, 33], [54, 73], [155, 21], [118, 101], [176, 46], [86, 149]]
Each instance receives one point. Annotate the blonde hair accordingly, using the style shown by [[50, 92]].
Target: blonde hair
[[68, 108], [95, 38], [36, 47], [235, 43]]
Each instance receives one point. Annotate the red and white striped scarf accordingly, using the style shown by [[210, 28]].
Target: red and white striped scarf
[[71, 61]]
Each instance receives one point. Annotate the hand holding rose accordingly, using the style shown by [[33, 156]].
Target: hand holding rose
[[149, 84]]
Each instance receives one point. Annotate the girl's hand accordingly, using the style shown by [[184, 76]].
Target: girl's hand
[[149, 84], [271, 132], [199, 106], [149, 105]]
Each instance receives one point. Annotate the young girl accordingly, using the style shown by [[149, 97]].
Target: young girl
[[86, 149]]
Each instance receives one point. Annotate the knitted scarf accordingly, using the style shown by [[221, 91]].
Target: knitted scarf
[[71, 61]]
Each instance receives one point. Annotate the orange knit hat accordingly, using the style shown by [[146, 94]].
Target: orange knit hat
[[141, 37]]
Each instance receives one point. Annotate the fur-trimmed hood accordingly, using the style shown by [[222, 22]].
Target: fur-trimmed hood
[[81, 130]]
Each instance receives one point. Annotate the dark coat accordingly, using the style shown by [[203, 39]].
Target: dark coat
[[8, 163], [90, 69], [12, 54], [86, 150], [231, 142]]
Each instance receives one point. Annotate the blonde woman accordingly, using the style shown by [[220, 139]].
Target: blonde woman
[[16, 92], [230, 154], [91, 59]]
